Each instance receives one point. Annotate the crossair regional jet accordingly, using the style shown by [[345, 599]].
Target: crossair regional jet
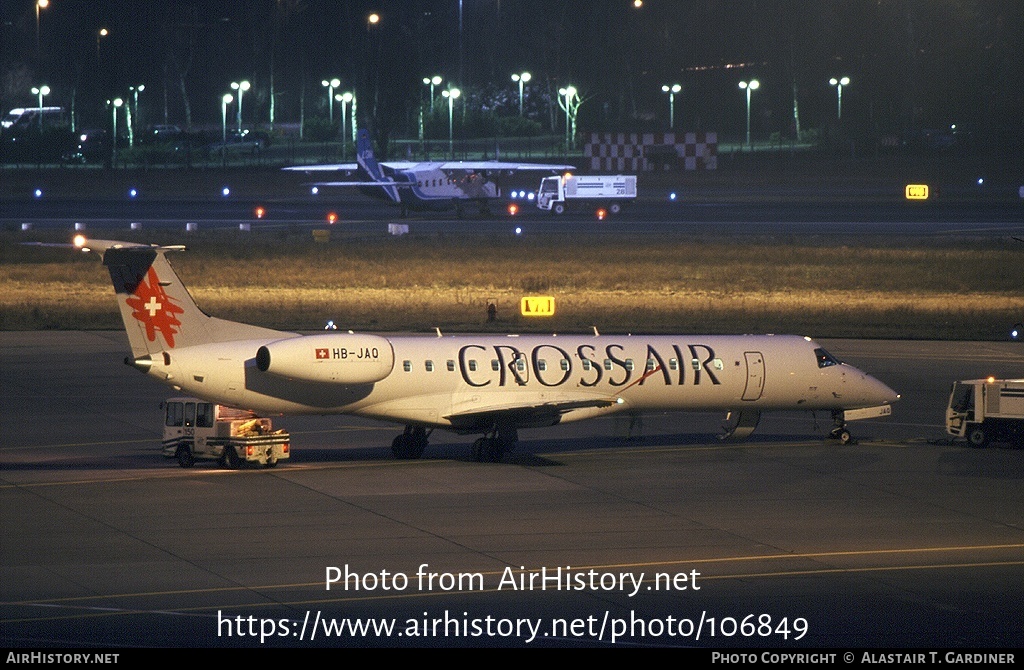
[[471, 384], [428, 186]]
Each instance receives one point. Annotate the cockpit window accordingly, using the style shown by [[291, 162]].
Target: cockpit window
[[825, 359]]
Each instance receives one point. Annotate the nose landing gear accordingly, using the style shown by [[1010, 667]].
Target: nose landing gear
[[840, 432]]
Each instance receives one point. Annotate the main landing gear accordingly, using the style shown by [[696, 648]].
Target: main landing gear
[[411, 443], [496, 443], [840, 431]]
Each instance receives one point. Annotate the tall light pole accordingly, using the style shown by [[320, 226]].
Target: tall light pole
[[135, 90], [224, 102], [522, 79], [40, 5], [569, 93], [752, 85], [671, 90], [345, 98], [41, 91], [114, 104], [432, 82], [330, 86], [451, 94], [100, 34], [839, 83], [241, 87]]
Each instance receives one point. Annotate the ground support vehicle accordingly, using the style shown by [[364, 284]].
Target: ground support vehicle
[[987, 410], [198, 430], [559, 194]]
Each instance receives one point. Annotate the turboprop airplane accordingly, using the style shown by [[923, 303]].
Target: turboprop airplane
[[470, 384], [430, 185]]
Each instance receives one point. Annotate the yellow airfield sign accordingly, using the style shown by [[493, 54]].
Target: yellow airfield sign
[[537, 306], [917, 191]]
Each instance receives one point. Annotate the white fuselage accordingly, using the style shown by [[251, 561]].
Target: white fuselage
[[447, 381]]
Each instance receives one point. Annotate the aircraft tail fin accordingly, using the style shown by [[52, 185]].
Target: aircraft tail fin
[[368, 162], [159, 313]]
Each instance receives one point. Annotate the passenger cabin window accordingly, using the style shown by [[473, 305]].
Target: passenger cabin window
[[430, 366], [542, 364], [407, 366], [451, 365], [825, 359], [673, 364], [495, 365], [472, 365]]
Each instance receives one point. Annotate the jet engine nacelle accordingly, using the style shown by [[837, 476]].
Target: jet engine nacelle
[[338, 358]]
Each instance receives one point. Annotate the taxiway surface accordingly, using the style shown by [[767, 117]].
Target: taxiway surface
[[902, 539]]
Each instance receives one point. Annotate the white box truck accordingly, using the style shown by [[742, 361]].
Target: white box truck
[[198, 430], [987, 410], [611, 192]]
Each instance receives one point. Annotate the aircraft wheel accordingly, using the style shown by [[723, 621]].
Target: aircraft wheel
[[478, 449], [495, 450], [185, 457], [977, 437], [230, 459], [843, 435], [408, 446]]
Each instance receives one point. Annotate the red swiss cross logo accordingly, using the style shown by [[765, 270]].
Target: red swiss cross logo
[[321, 354], [155, 309]]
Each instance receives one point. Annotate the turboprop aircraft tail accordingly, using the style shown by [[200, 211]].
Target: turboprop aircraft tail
[[158, 312], [368, 162]]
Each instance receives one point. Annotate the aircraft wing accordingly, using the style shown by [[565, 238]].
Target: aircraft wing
[[497, 166], [336, 167], [400, 184], [539, 414]]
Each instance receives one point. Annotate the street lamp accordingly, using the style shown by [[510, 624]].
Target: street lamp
[[432, 82], [330, 86], [241, 87], [41, 91], [839, 83], [224, 102], [100, 34], [451, 94], [345, 98], [522, 79], [134, 112], [40, 5], [569, 92], [114, 104], [671, 90], [752, 85]]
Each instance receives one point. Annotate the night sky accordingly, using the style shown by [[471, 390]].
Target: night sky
[[913, 64]]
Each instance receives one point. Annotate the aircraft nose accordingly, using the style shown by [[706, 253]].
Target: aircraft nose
[[876, 391]]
